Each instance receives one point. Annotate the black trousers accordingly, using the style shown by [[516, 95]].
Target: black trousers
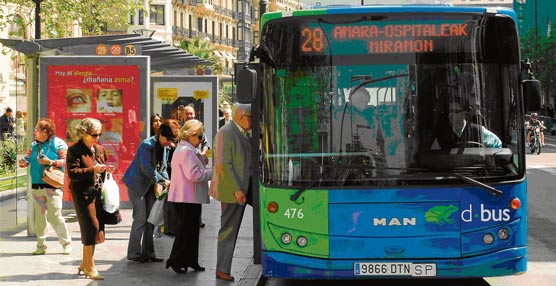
[[185, 250]]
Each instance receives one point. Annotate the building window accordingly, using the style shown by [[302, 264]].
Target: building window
[[156, 15], [141, 17], [131, 18], [240, 35], [255, 37]]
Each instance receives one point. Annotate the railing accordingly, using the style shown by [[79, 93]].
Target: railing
[[11, 182]]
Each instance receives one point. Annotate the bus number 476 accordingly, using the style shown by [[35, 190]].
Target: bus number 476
[[293, 213]]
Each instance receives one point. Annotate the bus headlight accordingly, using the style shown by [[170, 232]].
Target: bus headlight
[[488, 238], [503, 233], [286, 238], [301, 241]]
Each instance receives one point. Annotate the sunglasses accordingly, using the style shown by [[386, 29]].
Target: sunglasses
[[200, 137], [95, 135]]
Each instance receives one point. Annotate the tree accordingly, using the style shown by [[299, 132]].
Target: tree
[[202, 48], [541, 52], [59, 16]]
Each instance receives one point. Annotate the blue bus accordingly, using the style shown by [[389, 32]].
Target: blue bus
[[391, 142]]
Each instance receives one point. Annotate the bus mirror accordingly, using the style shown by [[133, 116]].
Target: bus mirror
[[246, 85], [532, 95]]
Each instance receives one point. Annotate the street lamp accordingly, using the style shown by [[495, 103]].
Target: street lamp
[[536, 20], [37, 19]]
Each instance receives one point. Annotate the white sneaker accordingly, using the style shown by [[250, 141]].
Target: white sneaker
[[67, 249], [39, 251]]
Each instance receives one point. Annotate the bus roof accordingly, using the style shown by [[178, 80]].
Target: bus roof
[[388, 10]]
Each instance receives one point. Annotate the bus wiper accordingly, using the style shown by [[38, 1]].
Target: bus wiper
[[294, 197], [493, 190]]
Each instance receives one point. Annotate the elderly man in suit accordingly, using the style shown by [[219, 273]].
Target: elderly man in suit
[[149, 167], [230, 183], [227, 117]]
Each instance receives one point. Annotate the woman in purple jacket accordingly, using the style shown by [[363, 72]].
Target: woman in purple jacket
[[188, 190]]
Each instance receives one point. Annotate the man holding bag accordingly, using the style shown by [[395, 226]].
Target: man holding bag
[[149, 167]]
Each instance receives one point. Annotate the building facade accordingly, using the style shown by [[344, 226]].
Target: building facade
[[231, 26]]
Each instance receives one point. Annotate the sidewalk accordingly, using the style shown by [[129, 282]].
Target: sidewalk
[[19, 267]]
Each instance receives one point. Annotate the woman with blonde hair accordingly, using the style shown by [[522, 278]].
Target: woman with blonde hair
[[86, 162], [188, 190]]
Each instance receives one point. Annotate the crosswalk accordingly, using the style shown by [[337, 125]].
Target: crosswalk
[[549, 168]]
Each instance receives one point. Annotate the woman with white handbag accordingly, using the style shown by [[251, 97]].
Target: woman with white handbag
[[86, 163]]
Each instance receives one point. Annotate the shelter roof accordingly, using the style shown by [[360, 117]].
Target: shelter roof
[[163, 56]]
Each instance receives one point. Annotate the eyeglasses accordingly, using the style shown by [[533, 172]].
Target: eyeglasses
[[200, 137], [95, 135]]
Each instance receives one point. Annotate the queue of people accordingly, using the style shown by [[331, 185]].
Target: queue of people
[[173, 158]]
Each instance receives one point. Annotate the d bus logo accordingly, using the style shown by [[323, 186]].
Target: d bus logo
[[485, 214]]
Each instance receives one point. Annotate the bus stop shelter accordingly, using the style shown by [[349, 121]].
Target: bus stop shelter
[[162, 56]]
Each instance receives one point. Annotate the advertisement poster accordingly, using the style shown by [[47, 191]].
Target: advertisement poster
[[110, 93], [171, 94]]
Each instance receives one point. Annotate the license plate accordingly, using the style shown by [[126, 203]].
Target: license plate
[[395, 269]]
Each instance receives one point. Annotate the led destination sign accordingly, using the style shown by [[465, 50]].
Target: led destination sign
[[375, 39]]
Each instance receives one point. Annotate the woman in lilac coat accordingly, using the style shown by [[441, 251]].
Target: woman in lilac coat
[[188, 190]]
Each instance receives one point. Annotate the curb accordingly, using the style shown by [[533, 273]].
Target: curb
[[252, 275], [8, 194]]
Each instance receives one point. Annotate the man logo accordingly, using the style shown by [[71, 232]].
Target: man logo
[[394, 221]]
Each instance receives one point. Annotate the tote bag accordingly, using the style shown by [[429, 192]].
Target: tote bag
[[110, 194]]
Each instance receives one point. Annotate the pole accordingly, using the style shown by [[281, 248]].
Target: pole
[[37, 19], [536, 21], [262, 9]]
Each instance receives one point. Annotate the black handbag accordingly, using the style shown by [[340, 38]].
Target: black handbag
[[111, 218]]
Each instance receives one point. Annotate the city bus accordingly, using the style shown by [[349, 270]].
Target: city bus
[[391, 142]]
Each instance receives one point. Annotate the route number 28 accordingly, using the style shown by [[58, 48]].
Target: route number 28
[[293, 213], [312, 40]]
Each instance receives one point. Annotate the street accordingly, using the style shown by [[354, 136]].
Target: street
[[541, 170], [541, 267]]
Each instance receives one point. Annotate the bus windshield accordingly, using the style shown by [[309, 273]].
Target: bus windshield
[[386, 100]]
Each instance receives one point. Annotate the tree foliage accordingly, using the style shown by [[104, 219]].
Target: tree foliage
[[541, 52], [59, 16], [202, 48]]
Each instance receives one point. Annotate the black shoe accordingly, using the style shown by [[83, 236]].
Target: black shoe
[[152, 259], [197, 267], [177, 269]]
